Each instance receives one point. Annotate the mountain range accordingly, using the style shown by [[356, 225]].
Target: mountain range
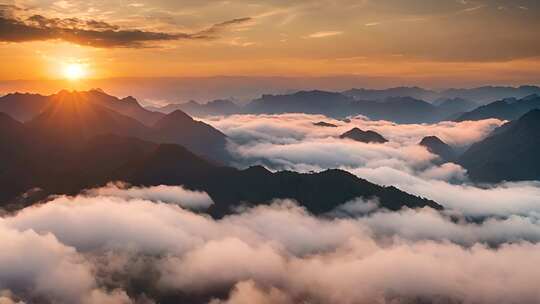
[[401, 109], [76, 143], [71, 118]]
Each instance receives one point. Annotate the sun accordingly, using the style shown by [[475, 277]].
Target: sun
[[74, 71]]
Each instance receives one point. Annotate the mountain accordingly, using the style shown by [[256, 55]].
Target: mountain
[[454, 105], [364, 136], [215, 107], [318, 192], [506, 109], [438, 147], [486, 94], [397, 109], [201, 138], [371, 94], [24, 107], [309, 102], [324, 124], [107, 158], [510, 153], [70, 119]]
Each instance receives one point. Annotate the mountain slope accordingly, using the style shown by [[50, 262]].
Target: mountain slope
[[23, 107], [438, 147], [506, 109], [201, 138], [510, 153]]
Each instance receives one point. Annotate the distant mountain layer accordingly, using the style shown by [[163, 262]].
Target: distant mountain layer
[[216, 107], [372, 94], [400, 109], [479, 95], [506, 109], [510, 153]]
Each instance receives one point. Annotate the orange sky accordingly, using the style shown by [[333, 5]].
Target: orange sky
[[486, 40]]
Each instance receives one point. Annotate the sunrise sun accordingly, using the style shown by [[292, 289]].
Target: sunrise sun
[[74, 71]]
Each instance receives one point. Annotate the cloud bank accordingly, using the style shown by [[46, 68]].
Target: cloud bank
[[292, 142], [94, 249]]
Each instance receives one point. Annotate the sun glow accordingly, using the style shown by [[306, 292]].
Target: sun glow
[[74, 71]]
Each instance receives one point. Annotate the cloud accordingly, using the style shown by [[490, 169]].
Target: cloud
[[169, 194], [85, 245], [93, 33], [291, 142], [325, 34], [45, 268]]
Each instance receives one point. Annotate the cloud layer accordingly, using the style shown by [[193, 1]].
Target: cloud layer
[[91, 249], [292, 142]]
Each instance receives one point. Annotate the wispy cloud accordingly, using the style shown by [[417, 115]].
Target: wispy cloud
[[324, 34], [94, 33]]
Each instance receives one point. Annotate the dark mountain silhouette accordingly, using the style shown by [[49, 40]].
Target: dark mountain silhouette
[[70, 119], [215, 107], [110, 157], [506, 109], [371, 94], [24, 107], [510, 153], [438, 147], [201, 138], [324, 124], [364, 136]]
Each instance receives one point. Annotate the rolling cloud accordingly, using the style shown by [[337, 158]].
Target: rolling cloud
[[267, 254], [93, 33], [291, 142]]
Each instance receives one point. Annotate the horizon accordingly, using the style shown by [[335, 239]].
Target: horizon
[[474, 41]]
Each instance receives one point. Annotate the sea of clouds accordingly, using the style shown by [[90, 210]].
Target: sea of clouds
[[292, 142], [123, 244], [116, 248]]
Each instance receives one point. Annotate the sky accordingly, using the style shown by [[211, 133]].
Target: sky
[[474, 40]]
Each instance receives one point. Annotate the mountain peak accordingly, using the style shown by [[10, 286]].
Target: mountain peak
[[364, 136], [438, 147], [173, 117]]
